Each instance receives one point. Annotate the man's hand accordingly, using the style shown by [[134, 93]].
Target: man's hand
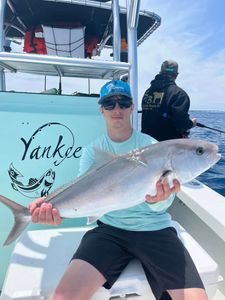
[[43, 213], [194, 122], [163, 191]]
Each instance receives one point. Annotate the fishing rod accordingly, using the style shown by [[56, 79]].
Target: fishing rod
[[204, 126]]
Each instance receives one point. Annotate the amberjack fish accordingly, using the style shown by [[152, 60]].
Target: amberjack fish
[[120, 181]]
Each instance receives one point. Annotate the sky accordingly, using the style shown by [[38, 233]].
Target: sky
[[192, 33]]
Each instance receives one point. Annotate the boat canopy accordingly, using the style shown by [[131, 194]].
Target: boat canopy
[[21, 15], [104, 20]]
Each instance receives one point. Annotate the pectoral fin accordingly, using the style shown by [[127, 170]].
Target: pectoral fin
[[101, 158], [165, 175], [168, 176]]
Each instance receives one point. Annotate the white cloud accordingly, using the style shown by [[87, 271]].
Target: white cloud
[[183, 38]]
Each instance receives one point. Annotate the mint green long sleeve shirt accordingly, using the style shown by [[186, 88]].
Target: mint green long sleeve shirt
[[142, 217]]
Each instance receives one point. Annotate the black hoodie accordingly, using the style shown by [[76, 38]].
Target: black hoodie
[[165, 110]]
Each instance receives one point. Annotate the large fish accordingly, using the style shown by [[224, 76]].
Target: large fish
[[120, 181]]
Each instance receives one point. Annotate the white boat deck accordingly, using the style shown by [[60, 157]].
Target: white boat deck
[[207, 204], [46, 252], [200, 210]]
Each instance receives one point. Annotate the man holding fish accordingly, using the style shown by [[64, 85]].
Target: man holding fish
[[141, 231]]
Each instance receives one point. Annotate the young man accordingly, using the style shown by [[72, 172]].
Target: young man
[[142, 231], [165, 106]]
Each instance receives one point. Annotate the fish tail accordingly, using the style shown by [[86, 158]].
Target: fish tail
[[22, 218]]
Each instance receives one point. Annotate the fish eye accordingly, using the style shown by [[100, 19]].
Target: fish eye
[[200, 151]]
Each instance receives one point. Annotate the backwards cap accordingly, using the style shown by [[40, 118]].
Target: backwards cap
[[169, 66]]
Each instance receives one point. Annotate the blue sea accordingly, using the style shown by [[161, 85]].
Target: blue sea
[[215, 176]]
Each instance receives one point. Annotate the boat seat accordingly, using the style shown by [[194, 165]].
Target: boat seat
[[40, 257]]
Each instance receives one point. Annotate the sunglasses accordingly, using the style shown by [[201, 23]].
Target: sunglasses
[[111, 104]]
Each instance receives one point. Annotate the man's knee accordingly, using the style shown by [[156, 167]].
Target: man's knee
[[189, 293], [80, 281]]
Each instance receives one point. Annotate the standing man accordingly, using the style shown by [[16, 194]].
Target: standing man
[[143, 231], [165, 106]]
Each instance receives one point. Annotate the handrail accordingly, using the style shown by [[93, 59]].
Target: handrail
[[2, 40]]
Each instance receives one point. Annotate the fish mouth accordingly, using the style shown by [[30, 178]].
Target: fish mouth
[[213, 158], [218, 156]]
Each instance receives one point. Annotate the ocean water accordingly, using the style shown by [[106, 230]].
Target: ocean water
[[215, 176]]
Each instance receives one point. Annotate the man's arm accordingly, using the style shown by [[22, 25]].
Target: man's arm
[[179, 112]]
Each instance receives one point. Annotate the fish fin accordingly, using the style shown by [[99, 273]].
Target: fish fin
[[92, 219], [101, 158], [168, 176], [14, 186], [32, 181], [22, 218]]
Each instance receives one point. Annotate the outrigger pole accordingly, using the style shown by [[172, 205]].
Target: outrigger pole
[[2, 40]]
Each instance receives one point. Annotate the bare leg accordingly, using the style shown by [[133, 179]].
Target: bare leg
[[188, 294], [80, 281]]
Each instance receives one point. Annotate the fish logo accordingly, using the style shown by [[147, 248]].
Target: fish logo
[[34, 187]]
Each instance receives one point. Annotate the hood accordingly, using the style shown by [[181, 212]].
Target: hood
[[161, 81]]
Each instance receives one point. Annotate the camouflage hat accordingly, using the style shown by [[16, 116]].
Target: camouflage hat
[[169, 66]]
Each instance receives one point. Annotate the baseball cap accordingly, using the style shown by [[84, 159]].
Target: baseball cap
[[169, 66], [114, 87]]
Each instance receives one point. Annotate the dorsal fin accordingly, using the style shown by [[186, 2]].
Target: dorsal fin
[[101, 158]]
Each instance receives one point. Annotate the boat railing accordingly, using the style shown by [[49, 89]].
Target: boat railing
[[207, 204]]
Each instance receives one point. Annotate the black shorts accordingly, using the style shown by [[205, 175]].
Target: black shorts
[[165, 260]]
